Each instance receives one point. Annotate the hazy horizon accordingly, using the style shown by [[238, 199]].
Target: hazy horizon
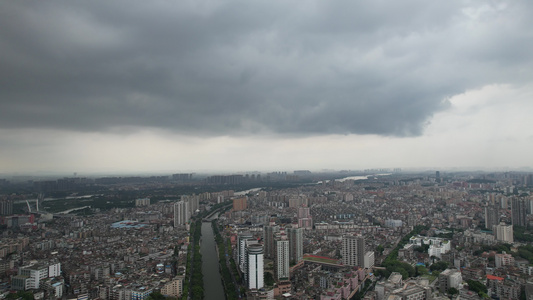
[[205, 173]]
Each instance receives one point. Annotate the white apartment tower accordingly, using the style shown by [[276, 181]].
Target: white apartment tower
[[254, 266], [281, 260], [504, 232], [242, 241], [193, 202], [181, 213]]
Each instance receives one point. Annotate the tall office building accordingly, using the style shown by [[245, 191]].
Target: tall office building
[[492, 217], [353, 250], [181, 213], [296, 246], [254, 266], [281, 260], [518, 212], [268, 239]]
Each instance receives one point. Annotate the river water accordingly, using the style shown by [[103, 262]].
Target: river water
[[361, 177], [212, 281], [242, 193]]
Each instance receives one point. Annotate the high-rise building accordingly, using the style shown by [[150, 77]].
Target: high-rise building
[[182, 177], [254, 266], [239, 203], [368, 260], [241, 248], [503, 232], [492, 217], [142, 202], [353, 250], [518, 212], [303, 212], [281, 260], [268, 239], [529, 206], [6, 207], [193, 203], [504, 203], [304, 218], [296, 247], [181, 213]]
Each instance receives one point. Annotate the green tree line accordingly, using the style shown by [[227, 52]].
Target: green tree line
[[227, 280]]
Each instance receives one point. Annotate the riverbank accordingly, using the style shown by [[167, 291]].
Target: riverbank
[[231, 277]]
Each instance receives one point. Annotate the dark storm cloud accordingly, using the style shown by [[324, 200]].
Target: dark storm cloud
[[243, 67]]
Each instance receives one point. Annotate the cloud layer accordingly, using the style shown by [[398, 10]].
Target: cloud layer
[[241, 68]]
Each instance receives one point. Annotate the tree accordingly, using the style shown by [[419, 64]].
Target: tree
[[477, 287], [439, 266], [380, 249], [197, 292], [269, 279], [20, 295], [156, 296], [421, 271], [422, 249], [453, 291]]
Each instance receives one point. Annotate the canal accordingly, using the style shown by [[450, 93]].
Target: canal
[[213, 289]]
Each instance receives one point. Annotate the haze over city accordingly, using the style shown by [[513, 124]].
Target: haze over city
[[150, 86]]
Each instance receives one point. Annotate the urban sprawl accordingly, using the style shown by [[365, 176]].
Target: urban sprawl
[[373, 235]]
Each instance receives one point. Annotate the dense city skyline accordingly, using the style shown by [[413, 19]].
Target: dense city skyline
[[140, 87]]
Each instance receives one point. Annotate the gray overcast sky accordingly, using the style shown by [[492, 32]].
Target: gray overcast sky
[[131, 86]]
